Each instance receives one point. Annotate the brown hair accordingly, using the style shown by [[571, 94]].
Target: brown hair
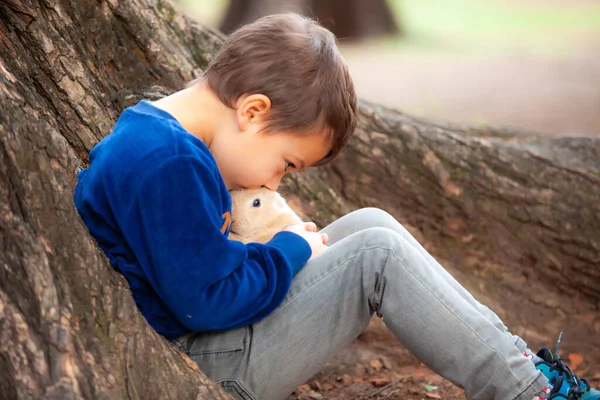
[[295, 62]]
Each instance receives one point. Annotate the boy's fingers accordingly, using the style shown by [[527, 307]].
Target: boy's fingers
[[310, 226], [325, 238]]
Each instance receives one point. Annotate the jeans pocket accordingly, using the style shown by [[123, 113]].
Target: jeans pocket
[[221, 356], [217, 343], [235, 389]]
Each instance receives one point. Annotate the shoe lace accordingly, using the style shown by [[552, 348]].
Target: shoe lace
[[560, 365]]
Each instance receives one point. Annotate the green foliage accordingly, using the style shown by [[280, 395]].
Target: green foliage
[[496, 18], [494, 25]]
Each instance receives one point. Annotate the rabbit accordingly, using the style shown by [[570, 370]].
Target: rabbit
[[258, 214]]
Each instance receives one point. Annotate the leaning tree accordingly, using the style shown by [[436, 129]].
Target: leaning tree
[[347, 19], [514, 210]]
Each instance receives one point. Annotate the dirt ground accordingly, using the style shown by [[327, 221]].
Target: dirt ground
[[548, 94]]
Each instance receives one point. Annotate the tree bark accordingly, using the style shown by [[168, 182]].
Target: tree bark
[[524, 203], [347, 19], [69, 326]]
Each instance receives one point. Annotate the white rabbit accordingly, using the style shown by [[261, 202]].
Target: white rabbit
[[258, 214]]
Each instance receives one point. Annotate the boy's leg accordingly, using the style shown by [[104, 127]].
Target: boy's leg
[[331, 302], [375, 217]]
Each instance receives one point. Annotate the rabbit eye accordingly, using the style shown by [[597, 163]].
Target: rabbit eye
[[256, 203]]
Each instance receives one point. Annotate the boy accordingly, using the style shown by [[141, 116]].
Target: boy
[[261, 319]]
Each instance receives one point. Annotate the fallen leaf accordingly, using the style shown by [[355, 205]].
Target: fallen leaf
[[431, 388], [303, 388], [312, 395], [376, 364], [378, 382], [433, 395], [575, 359]]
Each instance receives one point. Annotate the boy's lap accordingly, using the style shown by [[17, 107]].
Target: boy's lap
[[220, 356], [321, 314]]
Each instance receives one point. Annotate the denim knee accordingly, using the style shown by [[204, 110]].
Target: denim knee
[[377, 217], [380, 237]]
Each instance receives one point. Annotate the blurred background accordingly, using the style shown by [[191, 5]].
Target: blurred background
[[531, 64]]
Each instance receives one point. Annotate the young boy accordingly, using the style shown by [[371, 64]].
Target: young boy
[[261, 319]]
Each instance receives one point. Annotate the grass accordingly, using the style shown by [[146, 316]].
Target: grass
[[494, 25], [495, 18]]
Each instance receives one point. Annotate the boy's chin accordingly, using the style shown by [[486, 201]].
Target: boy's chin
[[235, 187]]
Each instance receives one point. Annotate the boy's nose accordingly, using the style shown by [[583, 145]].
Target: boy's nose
[[273, 184]]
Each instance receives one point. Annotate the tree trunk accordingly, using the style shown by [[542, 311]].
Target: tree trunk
[[69, 327], [347, 19], [521, 203]]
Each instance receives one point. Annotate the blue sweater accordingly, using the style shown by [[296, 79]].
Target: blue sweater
[[156, 204]]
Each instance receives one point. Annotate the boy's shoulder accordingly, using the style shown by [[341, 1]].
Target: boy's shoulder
[[146, 144], [149, 126], [146, 147], [145, 135]]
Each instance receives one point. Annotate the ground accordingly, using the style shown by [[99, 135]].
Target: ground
[[553, 94]]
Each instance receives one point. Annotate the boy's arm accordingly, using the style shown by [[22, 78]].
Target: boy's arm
[[208, 281]]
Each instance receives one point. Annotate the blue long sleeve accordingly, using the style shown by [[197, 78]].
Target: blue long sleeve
[[207, 280], [155, 202]]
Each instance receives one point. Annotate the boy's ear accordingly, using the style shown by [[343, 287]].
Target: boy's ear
[[252, 109]]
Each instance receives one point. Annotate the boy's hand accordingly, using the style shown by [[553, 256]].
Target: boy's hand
[[308, 230]]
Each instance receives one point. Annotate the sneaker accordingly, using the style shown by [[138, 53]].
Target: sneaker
[[553, 367], [561, 389]]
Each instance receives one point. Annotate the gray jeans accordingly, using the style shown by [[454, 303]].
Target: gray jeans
[[373, 265]]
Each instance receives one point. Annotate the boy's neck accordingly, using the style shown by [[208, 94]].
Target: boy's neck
[[197, 109]]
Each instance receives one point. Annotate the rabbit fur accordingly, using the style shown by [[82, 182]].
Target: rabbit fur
[[258, 214]]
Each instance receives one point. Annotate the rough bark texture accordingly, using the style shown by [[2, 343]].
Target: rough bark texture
[[347, 19], [69, 328], [524, 201]]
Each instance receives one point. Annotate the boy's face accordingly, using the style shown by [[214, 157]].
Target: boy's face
[[250, 158], [256, 159]]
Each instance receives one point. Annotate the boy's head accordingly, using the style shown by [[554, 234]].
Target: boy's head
[[284, 76]]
